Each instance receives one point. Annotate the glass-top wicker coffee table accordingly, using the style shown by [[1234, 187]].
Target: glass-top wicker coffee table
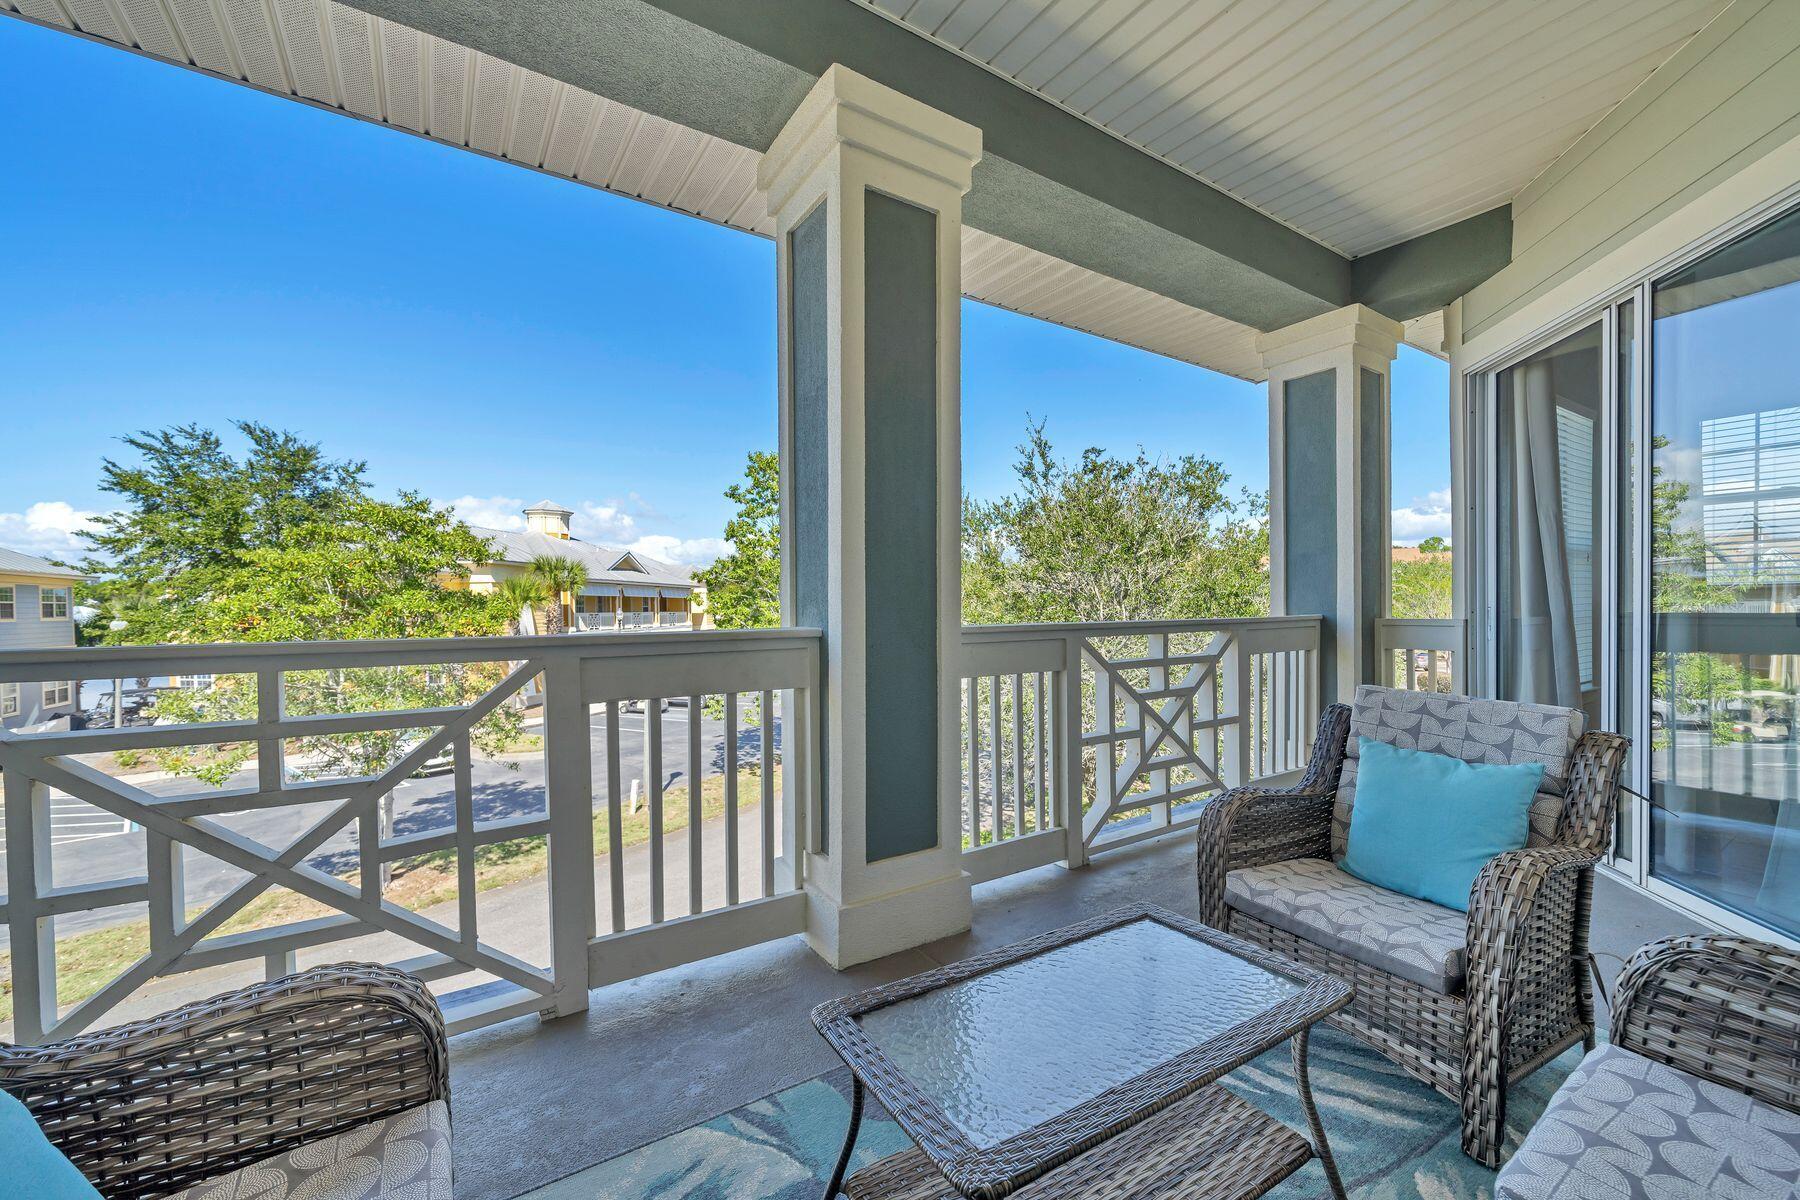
[[1082, 1063]]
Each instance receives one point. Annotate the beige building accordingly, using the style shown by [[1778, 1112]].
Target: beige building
[[624, 590]]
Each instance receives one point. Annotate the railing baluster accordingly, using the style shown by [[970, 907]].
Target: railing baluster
[[28, 876], [464, 782], [998, 758], [653, 786], [615, 820], [972, 703], [696, 809], [768, 793], [1017, 754], [731, 799], [1041, 790]]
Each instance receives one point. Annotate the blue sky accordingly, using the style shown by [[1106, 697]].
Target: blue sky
[[186, 250]]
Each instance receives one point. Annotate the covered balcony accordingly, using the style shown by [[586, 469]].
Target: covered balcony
[[625, 863]]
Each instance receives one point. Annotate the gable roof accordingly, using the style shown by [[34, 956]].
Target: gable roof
[[17, 562], [602, 562]]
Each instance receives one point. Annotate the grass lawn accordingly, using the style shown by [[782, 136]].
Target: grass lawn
[[86, 962]]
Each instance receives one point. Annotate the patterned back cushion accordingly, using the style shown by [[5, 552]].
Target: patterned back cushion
[[1477, 731]]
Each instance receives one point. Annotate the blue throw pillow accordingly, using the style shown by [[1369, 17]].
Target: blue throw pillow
[[1425, 824], [30, 1167]]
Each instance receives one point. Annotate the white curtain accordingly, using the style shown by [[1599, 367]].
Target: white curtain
[[1546, 661]]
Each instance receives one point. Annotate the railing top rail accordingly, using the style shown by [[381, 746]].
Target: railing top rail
[[1105, 628], [1420, 622], [99, 662]]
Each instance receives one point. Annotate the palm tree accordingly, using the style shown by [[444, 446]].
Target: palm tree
[[560, 577], [518, 594]]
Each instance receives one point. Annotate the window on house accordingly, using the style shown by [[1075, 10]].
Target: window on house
[[53, 604], [9, 699], [8, 603], [57, 694]]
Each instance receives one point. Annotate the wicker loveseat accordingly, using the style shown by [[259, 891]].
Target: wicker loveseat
[[1466, 1003], [1697, 1094], [256, 1093]]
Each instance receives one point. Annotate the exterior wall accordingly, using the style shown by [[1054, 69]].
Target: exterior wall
[[1660, 171], [29, 631]]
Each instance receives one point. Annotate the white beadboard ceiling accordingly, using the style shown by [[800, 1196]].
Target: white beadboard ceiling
[[1360, 123]]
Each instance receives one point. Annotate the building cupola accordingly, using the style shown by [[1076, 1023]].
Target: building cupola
[[549, 519]]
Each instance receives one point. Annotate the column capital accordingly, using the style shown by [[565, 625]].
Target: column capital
[[1324, 341], [910, 149]]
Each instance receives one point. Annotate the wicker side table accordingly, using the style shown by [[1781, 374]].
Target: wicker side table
[[1081, 1064]]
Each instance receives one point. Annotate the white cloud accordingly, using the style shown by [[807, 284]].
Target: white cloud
[[613, 523], [491, 512], [46, 529], [1427, 516], [683, 552]]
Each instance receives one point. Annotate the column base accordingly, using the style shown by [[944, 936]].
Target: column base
[[845, 935]]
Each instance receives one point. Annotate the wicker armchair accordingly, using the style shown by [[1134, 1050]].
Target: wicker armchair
[[1701, 1023], [152, 1107], [1512, 992]]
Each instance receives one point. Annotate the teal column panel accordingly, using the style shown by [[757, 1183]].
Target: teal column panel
[[900, 524], [1309, 509]]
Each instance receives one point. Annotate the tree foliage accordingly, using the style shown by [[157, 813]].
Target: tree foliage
[[558, 577], [191, 509], [1105, 539], [1421, 587], [743, 588], [302, 553]]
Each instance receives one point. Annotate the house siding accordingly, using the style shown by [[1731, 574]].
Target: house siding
[[29, 631]]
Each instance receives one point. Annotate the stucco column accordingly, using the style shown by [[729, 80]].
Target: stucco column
[[866, 188], [1329, 482]]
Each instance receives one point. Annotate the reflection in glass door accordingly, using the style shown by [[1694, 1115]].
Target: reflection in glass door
[[1724, 514]]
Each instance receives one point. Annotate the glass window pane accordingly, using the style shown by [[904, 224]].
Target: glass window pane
[[1725, 528]]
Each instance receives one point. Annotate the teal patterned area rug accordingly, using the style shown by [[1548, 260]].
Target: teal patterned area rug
[[1394, 1138]]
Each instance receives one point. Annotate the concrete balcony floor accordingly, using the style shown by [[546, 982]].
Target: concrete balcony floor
[[535, 1102]]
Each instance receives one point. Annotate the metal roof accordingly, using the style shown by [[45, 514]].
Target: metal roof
[[17, 562], [601, 561]]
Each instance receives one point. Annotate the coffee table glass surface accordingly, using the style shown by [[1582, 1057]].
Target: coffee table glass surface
[[1004, 1051], [1010, 1064]]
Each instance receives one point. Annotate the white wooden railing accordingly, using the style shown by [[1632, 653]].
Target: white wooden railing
[[1079, 738], [642, 899], [1421, 655]]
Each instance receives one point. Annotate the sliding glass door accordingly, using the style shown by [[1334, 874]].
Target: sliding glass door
[[1724, 514]]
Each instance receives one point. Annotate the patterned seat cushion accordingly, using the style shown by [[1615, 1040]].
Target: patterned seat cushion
[[402, 1157], [1474, 730], [1311, 898], [1623, 1126]]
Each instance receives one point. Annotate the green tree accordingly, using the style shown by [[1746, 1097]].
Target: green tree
[[560, 577], [313, 557], [519, 593], [1108, 538], [744, 587], [190, 509], [1434, 545], [1421, 586]]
